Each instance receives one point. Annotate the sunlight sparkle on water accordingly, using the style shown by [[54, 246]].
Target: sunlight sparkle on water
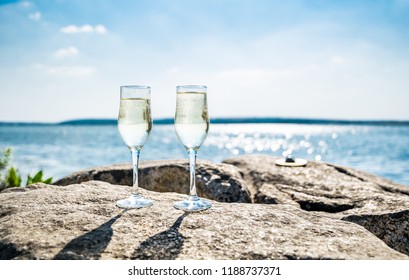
[[276, 139]]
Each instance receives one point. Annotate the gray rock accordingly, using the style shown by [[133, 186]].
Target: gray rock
[[392, 228], [334, 191], [320, 187], [327, 189], [80, 221], [119, 174], [220, 182]]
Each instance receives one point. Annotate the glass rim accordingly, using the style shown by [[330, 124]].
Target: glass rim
[[191, 86], [135, 87]]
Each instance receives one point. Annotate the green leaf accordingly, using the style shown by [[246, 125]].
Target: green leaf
[[29, 180], [13, 179], [38, 177], [48, 180]]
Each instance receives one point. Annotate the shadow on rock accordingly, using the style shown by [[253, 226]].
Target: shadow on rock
[[89, 245], [9, 251], [165, 245]]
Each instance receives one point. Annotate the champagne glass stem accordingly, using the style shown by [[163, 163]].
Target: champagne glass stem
[[135, 161], [192, 166]]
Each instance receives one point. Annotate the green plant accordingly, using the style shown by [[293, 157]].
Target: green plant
[[38, 177], [12, 177]]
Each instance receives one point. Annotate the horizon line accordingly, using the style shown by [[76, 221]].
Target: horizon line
[[224, 120]]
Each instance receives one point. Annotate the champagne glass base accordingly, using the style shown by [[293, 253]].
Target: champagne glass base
[[192, 204], [133, 202]]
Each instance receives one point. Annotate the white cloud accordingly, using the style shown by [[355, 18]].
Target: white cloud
[[70, 29], [35, 16], [86, 28], [100, 29], [69, 51], [77, 29]]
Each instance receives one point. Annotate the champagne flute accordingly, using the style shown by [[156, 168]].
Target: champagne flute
[[135, 124], [192, 125]]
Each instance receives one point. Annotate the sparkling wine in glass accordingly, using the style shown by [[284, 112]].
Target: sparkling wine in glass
[[135, 124], [192, 125]]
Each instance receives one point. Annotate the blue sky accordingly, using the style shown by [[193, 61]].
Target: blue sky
[[63, 60]]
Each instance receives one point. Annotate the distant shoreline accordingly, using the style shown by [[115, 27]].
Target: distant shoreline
[[260, 120]]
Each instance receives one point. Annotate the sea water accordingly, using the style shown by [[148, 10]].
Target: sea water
[[61, 149]]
